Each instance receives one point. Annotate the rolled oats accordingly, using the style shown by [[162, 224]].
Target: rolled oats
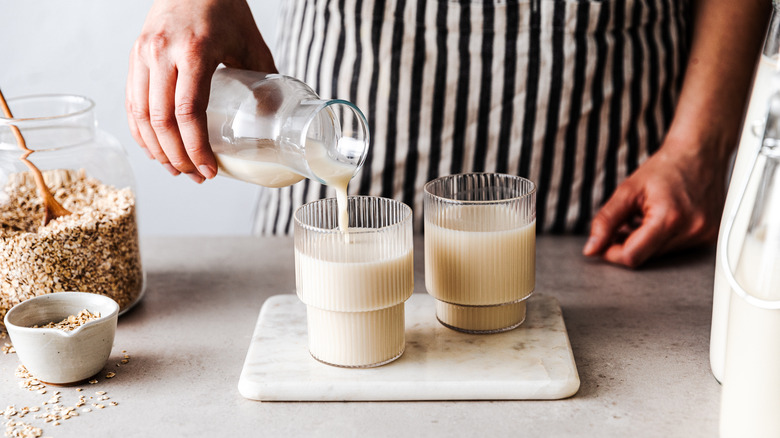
[[73, 321], [94, 249]]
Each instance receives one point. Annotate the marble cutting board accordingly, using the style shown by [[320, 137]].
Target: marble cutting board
[[534, 361]]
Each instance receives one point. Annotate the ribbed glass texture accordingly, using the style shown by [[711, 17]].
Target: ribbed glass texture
[[480, 243], [356, 339], [368, 268]]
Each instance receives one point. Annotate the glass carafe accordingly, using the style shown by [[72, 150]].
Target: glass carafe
[[274, 130], [93, 249], [751, 380], [750, 142]]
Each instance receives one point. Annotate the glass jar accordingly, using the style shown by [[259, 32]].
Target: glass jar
[[274, 130], [93, 249]]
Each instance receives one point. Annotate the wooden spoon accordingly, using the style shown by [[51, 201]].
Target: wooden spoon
[[52, 208]]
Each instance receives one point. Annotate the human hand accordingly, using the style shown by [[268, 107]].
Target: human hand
[[673, 201], [171, 65]]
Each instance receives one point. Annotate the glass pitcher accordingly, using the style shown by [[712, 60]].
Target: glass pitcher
[[274, 130], [764, 83], [93, 249], [751, 381]]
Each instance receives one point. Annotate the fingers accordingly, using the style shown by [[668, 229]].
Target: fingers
[[191, 97], [609, 220], [142, 118], [645, 241], [699, 230], [162, 86], [167, 110], [129, 111], [138, 84]]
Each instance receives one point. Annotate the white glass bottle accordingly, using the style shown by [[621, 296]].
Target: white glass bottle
[[751, 380], [750, 142]]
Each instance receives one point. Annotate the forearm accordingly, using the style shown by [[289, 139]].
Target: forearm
[[726, 41]]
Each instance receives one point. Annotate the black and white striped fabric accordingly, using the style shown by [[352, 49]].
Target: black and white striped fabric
[[573, 95]]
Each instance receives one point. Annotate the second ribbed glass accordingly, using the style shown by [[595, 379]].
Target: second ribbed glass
[[480, 249], [355, 284]]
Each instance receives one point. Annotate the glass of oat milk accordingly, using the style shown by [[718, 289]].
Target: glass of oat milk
[[354, 283], [274, 130], [480, 250], [751, 383]]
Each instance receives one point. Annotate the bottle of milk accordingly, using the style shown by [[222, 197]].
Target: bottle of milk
[[274, 130], [751, 381], [749, 145]]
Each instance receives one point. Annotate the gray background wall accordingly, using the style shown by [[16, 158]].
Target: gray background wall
[[82, 47]]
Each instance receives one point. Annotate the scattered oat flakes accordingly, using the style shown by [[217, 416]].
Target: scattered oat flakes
[[52, 411], [8, 348], [110, 375], [93, 381], [20, 429], [9, 412]]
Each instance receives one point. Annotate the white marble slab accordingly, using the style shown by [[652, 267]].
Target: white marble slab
[[534, 361]]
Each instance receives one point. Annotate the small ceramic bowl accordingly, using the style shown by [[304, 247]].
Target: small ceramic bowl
[[57, 356]]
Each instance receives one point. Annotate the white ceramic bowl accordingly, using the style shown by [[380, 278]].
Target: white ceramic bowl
[[57, 356]]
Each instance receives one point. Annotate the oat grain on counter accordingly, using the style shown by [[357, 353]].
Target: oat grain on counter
[[19, 429], [94, 249]]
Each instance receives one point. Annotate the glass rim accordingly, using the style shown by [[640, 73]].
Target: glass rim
[[323, 104], [89, 105], [406, 218], [429, 184]]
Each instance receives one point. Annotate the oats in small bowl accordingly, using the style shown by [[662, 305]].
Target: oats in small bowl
[[63, 338]]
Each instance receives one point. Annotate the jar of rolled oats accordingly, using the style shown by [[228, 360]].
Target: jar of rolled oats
[[93, 249]]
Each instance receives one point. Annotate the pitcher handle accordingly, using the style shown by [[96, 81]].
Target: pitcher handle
[[723, 247]]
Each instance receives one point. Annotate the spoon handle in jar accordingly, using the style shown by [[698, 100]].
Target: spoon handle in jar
[[52, 208]]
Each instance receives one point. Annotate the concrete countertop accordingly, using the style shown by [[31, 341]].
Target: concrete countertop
[[640, 340]]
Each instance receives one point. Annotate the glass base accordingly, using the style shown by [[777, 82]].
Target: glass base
[[356, 339], [481, 319], [373, 365]]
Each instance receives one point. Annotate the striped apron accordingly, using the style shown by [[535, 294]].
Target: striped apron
[[573, 95]]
